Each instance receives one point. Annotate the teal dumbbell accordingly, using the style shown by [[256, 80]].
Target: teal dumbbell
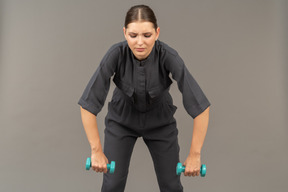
[[180, 168], [110, 167]]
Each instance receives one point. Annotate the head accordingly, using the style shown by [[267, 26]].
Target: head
[[141, 30]]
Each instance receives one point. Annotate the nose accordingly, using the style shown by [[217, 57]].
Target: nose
[[140, 40]]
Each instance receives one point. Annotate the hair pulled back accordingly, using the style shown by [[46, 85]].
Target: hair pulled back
[[140, 13]]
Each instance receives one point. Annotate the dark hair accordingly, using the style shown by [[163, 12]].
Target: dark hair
[[140, 13]]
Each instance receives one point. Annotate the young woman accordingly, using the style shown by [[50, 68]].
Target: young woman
[[141, 105]]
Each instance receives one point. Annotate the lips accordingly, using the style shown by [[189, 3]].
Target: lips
[[140, 49]]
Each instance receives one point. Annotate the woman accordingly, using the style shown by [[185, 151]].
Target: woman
[[141, 105]]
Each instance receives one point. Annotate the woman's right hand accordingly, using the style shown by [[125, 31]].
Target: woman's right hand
[[98, 159], [99, 162]]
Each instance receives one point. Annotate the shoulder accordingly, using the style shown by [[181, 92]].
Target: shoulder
[[168, 55], [165, 49], [115, 52], [119, 47]]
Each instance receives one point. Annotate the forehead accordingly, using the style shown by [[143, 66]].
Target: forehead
[[140, 27]]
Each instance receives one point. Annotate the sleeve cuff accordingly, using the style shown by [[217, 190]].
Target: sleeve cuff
[[194, 113], [89, 107]]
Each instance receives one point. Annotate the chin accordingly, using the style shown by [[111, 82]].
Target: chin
[[140, 55]]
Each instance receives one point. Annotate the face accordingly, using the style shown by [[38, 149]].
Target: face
[[141, 37]]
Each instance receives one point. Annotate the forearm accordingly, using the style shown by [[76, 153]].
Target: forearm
[[90, 125], [200, 127]]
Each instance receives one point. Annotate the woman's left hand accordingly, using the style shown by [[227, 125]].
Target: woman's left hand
[[192, 165]]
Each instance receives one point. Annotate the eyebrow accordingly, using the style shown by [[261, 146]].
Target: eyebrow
[[137, 33]]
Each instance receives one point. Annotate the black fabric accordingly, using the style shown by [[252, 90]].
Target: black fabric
[[143, 80], [157, 127], [142, 106]]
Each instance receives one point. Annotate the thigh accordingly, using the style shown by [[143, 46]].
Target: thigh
[[164, 149], [118, 146]]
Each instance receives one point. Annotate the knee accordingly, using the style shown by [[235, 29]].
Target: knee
[[113, 183], [171, 185]]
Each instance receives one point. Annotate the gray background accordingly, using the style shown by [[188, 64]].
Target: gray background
[[235, 49]]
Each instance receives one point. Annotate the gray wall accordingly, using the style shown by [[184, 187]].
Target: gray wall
[[235, 49]]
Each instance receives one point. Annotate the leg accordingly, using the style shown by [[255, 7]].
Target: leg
[[118, 147], [164, 150]]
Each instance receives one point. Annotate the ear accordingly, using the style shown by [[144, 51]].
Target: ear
[[157, 33], [124, 31]]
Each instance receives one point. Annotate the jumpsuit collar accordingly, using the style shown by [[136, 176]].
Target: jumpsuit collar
[[143, 61]]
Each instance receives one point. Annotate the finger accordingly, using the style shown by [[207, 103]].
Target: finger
[[103, 168], [185, 173], [193, 174], [188, 173], [96, 168], [196, 172]]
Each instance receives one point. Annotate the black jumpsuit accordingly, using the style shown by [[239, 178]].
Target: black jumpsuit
[[141, 106]]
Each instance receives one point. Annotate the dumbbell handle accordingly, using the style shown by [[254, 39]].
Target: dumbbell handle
[[180, 168], [110, 167]]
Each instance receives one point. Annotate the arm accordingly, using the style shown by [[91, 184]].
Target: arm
[[193, 161], [92, 101], [195, 102], [98, 159]]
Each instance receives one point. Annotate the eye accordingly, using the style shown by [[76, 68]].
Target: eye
[[132, 36], [147, 36]]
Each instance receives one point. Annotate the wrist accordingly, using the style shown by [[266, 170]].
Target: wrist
[[195, 153], [96, 149], [195, 149]]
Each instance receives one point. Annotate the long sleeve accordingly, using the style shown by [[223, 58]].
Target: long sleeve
[[194, 100], [95, 93]]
